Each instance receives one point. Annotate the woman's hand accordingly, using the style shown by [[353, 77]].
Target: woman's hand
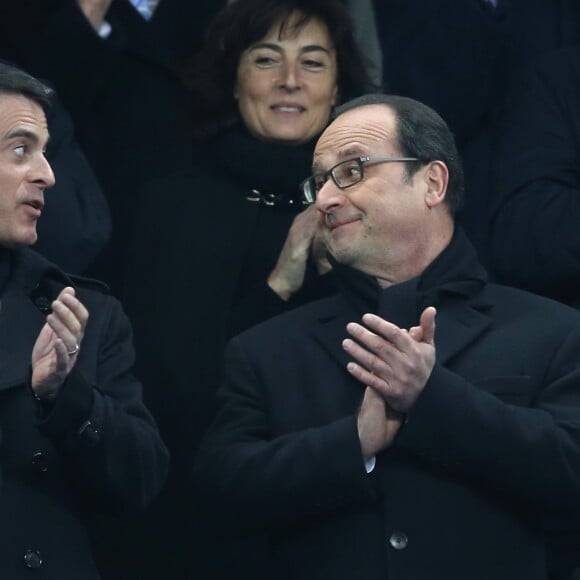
[[94, 11], [302, 241]]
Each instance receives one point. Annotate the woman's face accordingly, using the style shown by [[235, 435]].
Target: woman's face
[[286, 87]]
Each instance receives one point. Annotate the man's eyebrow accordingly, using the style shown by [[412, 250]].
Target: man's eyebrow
[[349, 152], [23, 133]]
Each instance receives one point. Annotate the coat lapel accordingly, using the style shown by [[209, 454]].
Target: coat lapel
[[330, 328], [21, 318], [20, 323], [457, 326]]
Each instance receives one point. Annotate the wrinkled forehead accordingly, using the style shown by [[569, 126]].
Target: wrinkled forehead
[[366, 130]]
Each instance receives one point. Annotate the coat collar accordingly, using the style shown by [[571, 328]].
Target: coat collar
[[453, 283], [24, 305]]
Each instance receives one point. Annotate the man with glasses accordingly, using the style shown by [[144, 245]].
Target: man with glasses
[[364, 441]]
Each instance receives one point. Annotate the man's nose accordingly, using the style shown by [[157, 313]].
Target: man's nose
[[43, 175], [329, 197]]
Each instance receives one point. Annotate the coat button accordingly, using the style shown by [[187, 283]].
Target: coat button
[[398, 540], [40, 461], [32, 559], [89, 433], [43, 304]]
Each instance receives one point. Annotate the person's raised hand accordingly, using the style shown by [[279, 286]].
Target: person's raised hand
[[395, 362], [287, 276], [56, 349], [377, 424]]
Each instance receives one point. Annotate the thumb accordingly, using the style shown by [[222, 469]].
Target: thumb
[[427, 324]]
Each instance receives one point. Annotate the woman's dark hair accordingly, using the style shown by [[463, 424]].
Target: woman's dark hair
[[210, 75]]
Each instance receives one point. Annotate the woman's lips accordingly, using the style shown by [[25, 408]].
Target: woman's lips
[[289, 108]]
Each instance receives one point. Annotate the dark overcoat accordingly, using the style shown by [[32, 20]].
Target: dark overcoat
[[95, 449], [536, 204], [490, 450]]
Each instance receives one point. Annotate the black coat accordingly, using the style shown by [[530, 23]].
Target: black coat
[[95, 449], [490, 449]]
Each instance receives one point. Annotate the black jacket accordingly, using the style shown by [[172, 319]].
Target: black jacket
[[95, 449], [488, 452]]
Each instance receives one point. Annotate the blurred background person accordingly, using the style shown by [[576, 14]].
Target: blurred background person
[[449, 55], [536, 170], [459, 57], [115, 73]]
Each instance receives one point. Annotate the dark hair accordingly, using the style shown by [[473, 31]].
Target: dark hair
[[15, 81], [210, 75], [421, 133]]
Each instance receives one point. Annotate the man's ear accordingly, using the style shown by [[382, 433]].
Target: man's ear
[[437, 179]]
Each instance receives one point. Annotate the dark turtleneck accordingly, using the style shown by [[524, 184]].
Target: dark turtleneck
[[273, 168], [248, 164]]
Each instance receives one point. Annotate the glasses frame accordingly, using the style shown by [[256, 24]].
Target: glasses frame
[[307, 188]]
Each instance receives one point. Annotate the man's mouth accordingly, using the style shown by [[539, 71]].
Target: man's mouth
[[335, 223], [35, 204]]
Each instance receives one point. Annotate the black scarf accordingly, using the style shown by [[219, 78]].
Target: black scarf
[[456, 272]]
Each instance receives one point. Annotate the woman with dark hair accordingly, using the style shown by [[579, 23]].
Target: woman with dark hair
[[212, 73], [229, 243]]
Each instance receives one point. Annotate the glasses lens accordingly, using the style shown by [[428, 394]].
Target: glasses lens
[[320, 180], [348, 172], [309, 190]]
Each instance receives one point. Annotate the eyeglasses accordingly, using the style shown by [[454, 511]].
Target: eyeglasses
[[344, 174]]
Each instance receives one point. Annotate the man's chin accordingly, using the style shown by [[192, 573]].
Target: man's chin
[[21, 242], [343, 255]]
